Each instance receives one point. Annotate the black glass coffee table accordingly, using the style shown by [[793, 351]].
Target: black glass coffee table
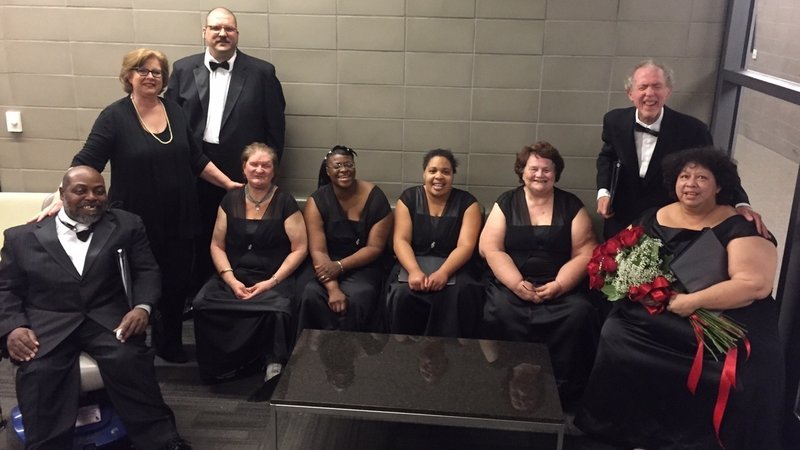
[[436, 381]]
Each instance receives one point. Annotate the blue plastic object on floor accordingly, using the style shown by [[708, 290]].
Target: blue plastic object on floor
[[108, 430]]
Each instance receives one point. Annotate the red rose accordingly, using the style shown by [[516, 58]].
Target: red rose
[[596, 281], [612, 246], [593, 267], [630, 236], [609, 264]]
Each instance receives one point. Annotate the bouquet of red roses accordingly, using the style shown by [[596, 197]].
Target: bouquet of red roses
[[633, 265]]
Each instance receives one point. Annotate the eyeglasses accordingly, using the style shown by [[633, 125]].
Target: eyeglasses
[[218, 28], [143, 71], [341, 165]]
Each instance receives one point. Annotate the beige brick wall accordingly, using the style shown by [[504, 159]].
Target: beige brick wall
[[768, 121], [390, 78]]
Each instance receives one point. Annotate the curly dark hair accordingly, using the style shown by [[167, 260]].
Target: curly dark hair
[[712, 158], [444, 153], [542, 149]]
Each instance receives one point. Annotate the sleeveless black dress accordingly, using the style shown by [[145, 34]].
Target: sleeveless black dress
[[569, 324], [455, 311], [362, 285], [637, 394], [234, 335]]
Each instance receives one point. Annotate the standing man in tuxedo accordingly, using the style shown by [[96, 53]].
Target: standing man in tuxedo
[[231, 100], [639, 137], [61, 292]]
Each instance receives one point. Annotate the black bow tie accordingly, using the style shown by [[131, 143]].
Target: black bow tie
[[215, 65], [639, 127], [82, 235]]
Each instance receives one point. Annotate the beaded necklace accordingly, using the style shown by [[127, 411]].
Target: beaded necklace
[[169, 127], [255, 202]]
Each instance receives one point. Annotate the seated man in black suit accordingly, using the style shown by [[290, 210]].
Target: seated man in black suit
[[639, 137], [61, 292]]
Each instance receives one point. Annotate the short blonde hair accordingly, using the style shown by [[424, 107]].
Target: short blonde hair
[[254, 147], [135, 59]]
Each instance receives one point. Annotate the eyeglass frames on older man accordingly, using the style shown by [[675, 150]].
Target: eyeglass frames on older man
[[144, 71]]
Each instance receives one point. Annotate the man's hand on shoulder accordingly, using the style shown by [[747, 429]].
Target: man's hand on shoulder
[[752, 216], [22, 344], [135, 322]]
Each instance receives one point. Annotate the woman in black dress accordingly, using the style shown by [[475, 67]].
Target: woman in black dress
[[435, 223], [537, 241], [243, 315], [154, 162], [637, 394], [349, 222]]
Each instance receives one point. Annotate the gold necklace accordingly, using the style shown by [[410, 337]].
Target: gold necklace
[[255, 202], [169, 127]]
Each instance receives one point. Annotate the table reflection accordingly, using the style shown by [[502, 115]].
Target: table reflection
[[421, 374]]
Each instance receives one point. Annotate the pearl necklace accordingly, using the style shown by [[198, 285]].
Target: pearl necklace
[[169, 127], [255, 202]]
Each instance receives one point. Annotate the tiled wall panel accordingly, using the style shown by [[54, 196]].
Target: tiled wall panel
[[390, 78]]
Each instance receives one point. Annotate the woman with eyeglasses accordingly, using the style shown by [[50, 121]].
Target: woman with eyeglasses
[[437, 292], [154, 161], [349, 222]]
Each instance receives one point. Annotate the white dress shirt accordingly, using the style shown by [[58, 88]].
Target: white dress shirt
[[645, 142], [75, 248], [218, 82], [645, 145]]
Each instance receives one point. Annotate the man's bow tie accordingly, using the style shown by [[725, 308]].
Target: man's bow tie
[[82, 235], [215, 65], [639, 127]]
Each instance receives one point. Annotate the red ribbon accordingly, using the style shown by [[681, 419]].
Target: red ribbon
[[727, 379], [697, 364]]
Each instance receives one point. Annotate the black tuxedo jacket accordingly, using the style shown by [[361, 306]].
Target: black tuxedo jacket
[[40, 288], [634, 194], [253, 108]]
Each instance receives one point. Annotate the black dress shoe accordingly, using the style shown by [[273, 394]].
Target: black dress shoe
[[264, 393], [176, 444], [177, 356]]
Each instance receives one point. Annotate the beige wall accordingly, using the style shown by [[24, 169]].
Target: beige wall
[[767, 143], [390, 78], [768, 121]]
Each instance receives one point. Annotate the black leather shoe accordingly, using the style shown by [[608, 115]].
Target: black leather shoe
[[176, 444], [264, 393], [177, 356]]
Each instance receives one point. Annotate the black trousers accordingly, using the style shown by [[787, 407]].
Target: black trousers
[[174, 258], [48, 390], [208, 200]]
